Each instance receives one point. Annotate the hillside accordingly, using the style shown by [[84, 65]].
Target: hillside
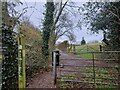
[[31, 33], [33, 40], [87, 48]]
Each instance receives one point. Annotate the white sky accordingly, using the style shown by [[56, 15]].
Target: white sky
[[72, 0], [37, 16]]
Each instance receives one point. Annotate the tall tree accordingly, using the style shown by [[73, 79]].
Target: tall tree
[[63, 25], [47, 27], [104, 16]]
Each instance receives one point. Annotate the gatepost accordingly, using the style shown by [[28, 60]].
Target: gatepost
[[21, 62], [55, 62]]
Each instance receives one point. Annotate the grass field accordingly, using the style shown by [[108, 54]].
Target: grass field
[[83, 49], [88, 47]]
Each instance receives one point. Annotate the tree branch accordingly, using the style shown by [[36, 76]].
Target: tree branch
[[60, 12], [114, 14]]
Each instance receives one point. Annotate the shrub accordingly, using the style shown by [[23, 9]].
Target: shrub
[[34, 58]]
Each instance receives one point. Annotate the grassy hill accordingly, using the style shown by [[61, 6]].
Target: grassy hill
[[88, 47], [83, 49], [30, 32]]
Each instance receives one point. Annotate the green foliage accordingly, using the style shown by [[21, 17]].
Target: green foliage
[[33, 39], [9, 46], [34, 59], [9, 62], [86, 48], [104, 16]]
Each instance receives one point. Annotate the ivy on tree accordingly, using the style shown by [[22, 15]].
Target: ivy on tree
[[9, 63], [9, 51], [47, 25]]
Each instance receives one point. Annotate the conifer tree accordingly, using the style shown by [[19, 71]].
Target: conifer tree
[[83, 42]]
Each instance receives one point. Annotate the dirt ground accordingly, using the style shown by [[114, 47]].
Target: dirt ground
[[45, 80], [42, 81]]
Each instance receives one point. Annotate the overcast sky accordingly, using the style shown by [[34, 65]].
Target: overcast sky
[[36, 16]]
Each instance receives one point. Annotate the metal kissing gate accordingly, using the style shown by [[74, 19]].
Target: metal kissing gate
[[99, 70]]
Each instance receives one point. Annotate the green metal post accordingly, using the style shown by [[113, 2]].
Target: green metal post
[[21, 63], [93, 68], [119, 70]]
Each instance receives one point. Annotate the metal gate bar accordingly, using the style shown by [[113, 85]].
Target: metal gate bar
[[91, 77], [93, 65], [96, 59], [86, 71], [90, 82], [88, 66]]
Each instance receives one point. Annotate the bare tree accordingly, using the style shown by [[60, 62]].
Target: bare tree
[[63, 25]]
